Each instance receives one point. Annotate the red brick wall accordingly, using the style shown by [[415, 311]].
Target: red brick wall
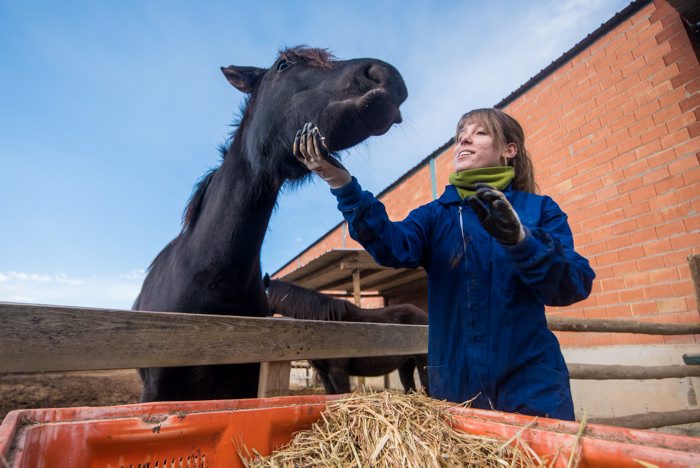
[[615, 139]]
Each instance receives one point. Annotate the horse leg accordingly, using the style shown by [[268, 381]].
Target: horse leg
[[422, 364], [406, 375], [340, 379], [327, 384]]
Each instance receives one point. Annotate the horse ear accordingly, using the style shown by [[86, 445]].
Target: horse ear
[[243, 79], [266, 281]]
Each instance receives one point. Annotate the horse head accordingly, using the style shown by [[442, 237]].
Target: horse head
[[349, 101]]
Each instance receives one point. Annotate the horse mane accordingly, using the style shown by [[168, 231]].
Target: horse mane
[[301, 303], [315, 57]]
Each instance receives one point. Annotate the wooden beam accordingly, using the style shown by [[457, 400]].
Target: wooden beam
[[35, 338], [621, 326], [615, 372], [361, 266], [356, 288], [651, 420], [325, 269], [694, 264]]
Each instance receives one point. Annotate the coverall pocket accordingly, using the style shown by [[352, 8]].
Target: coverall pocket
[[539, 391]]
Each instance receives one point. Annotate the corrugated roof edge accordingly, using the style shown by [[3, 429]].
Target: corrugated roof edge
[[604, 28]]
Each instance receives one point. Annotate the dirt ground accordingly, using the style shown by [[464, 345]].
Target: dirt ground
[[65, 389]]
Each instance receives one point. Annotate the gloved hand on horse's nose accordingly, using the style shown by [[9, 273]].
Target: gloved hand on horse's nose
[[310, 149], [497, 215]]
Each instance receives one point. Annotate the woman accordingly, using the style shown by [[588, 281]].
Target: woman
[[495, 252]]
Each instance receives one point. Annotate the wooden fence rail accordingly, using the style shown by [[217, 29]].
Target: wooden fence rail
[[36, 338]]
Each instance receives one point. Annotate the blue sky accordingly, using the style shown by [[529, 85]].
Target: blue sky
[[111, 111]]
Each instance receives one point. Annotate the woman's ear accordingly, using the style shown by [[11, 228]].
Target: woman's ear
[[510, 151]]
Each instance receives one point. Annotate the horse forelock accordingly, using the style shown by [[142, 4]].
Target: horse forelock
[[320, 58]]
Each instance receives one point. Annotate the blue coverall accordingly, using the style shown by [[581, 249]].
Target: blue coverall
[[488, 335]]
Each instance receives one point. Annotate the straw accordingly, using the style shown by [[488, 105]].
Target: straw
[[389, 429]]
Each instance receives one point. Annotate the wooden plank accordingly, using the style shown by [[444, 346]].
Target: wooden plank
[[36, 338], [274, 379], [621, 326], [651, 420], [615, 372]]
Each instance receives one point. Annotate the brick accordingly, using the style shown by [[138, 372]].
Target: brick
[[687, 146], [645, 192], [659, 73], [661, 158], [691, 177], [635, 209], [671, 305], [682, 288], [650, 339], [689, 103], [658, 246], [681, 121], [676, 138], [674, 258], [672, 228], [649, 263], [694, 129], [611, 284], [652, 145], [643, 308], [631, 253], [684, 240], [684, 78], [655, 175], [620, 310], [663, 275], [663, 200], [669, 32], [683, 164], [647, 109], [663, 115], [656, 292], [601, 339]]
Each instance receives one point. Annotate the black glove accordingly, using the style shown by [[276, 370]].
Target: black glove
[[310, 149], [497, 215]]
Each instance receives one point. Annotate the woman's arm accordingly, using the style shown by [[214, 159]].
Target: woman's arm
[[547, 262], [395, 244]]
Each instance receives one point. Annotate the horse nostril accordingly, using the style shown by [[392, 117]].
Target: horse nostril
[[376, 73]]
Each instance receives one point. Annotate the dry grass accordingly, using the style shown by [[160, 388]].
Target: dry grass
[[388, 429]]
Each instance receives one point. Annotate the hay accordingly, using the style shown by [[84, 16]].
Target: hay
[[388, 429]]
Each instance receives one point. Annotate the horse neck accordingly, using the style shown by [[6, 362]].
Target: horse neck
[[234, 216]]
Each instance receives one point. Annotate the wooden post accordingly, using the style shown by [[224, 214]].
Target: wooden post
[[694, 263], [274, 378], [357, 294]]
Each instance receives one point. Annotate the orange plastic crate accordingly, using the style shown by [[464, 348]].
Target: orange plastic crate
[[209, 434]]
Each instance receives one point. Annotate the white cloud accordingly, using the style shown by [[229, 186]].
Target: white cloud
[[117, 291]]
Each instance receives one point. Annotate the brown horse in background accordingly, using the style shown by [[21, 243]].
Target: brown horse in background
[[296, 302]]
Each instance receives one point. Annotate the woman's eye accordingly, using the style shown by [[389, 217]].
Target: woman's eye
[[283, 65]]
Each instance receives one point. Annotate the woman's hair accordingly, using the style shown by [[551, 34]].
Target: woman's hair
[[504, 129]]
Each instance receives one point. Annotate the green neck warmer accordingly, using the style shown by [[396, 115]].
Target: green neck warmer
[[497, 177]]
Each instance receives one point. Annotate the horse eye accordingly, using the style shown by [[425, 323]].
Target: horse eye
[[283, 65]]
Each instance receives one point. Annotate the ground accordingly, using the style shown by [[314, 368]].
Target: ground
[[63, 389]]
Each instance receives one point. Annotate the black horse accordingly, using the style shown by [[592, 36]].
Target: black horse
[[213, 265], [294, 301]]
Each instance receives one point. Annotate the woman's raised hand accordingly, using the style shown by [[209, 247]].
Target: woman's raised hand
[[310, 149]]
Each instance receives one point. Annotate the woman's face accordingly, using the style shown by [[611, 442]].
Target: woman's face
[[475, 148]]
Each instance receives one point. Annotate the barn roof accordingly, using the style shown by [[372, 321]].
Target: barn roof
[[333, 271]]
